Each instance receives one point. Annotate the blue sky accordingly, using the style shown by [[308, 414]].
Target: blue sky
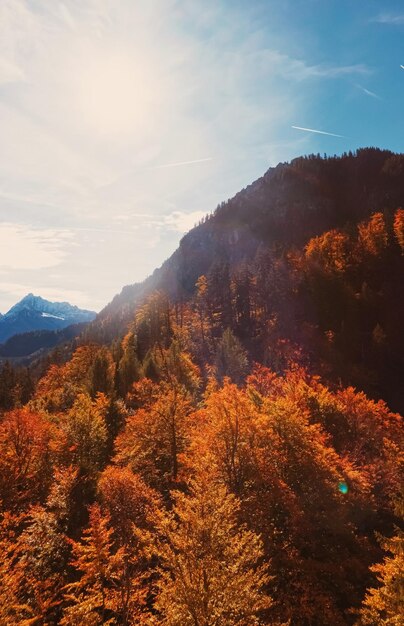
[[123, 122]]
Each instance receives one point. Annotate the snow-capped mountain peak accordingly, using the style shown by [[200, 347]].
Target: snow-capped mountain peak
[[36, 313]]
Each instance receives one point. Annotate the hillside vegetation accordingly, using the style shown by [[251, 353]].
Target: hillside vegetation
[[223, 447]]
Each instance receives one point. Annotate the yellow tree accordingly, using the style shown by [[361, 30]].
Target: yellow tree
[[36, 561], [86, 434], [399, 228], [373, 237], [384, 606], [131, 505], [129, 366], [154, 438], [225, 429], [101, 595], [128, 500], [13, 608], [210, 572], [330, 251], [26, 445]]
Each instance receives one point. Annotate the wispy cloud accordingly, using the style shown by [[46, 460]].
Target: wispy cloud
[[299, 69], [389, 18], [181, 221], [319, 132], [24, 247], [329, 71], [369, 93]]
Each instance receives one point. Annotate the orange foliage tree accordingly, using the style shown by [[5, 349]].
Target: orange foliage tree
[[209, 569], [153, 438], [102, 594], [27, 440]]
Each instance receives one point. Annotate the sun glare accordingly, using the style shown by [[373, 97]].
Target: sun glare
[[114, 93]]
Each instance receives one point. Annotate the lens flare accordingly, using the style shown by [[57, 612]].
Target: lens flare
[[343, 487]]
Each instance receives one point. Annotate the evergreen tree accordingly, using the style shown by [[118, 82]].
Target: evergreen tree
[[102, 374], [242, 287], [86, 432], [129, 366], [230, 358], [7, 383], [219, 297]]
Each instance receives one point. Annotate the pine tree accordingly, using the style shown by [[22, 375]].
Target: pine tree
[[102, 374], [230, 359], [242, 287]]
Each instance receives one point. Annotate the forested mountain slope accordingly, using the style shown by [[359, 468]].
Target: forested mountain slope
[[287, 206], [344, 313], [201, 456]]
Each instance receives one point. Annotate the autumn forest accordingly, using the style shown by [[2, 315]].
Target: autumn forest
[[223, 444]]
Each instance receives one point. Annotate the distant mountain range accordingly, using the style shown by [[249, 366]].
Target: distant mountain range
[[34, 313]]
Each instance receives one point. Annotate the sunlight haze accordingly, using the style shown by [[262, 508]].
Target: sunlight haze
[[124, 123]]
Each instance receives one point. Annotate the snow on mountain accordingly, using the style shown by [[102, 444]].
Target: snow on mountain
[[57, 317]]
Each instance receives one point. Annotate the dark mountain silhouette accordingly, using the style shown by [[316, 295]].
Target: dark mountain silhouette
[[38, 341]]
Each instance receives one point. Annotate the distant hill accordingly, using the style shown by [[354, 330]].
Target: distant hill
[[25, 347], [34, 313]]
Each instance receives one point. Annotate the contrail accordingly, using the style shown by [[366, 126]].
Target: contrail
[[177, 164], [319, 132], [372, 94]]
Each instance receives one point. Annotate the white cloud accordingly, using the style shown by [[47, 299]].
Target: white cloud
[[24, 247], [273, 61], [181, 163], [389, 18], [182, 222]]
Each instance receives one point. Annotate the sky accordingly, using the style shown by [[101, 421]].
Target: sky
[[123, 122]]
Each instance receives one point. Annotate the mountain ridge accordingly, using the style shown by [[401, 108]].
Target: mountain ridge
[[346, 323], [289, 204]]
